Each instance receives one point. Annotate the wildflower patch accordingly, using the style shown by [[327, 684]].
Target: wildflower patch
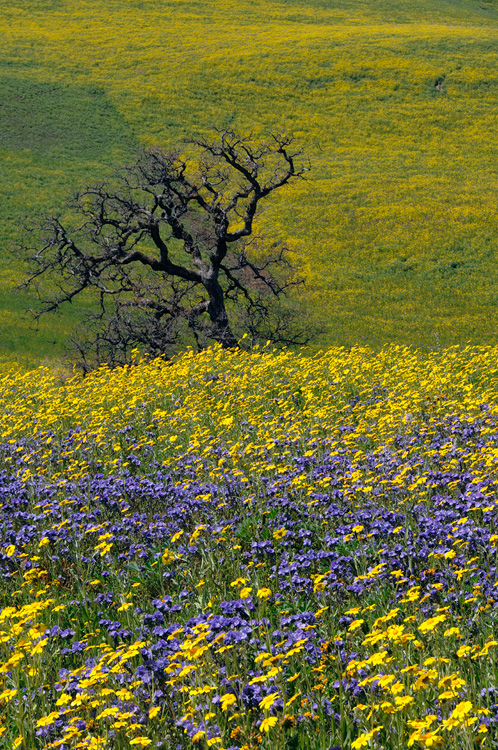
[[313, 574]]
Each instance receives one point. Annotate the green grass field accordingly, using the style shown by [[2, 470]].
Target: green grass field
[[396, 229]]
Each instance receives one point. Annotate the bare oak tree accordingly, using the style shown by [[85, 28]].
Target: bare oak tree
[[169, 246]]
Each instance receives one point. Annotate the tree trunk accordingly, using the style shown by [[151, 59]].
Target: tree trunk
[[221, 331]]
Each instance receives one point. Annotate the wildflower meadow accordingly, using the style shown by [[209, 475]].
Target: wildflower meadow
[[240, 550]]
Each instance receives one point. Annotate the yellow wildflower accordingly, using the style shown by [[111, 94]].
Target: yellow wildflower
[[267, 723], [227, 700], [268, 702], [364, 739]]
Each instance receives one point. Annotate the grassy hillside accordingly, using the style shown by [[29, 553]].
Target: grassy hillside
[[396, 229]]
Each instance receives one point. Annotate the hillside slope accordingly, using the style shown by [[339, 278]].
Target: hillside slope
[[396, 228]]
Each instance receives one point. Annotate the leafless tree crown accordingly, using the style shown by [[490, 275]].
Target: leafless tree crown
[[169, 248]]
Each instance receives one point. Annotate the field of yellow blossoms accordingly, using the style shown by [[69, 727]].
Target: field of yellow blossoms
[[240, 550]]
